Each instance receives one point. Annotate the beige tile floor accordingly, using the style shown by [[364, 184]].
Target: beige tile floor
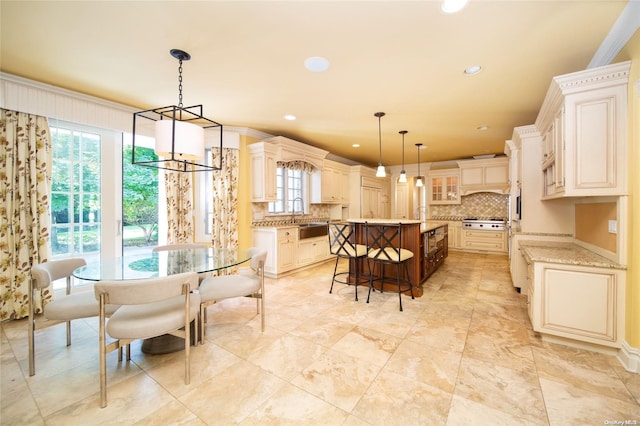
[[463, 354]]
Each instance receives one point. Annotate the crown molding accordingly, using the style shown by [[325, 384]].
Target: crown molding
[[624, 28]]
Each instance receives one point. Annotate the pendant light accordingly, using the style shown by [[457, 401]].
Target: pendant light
[[180, 132], [403, 174], [419, 178], [381, 172]]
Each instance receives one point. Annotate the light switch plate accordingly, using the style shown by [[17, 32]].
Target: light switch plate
[[613, 227]]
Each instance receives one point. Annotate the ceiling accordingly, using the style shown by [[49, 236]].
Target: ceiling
[[247, 67]]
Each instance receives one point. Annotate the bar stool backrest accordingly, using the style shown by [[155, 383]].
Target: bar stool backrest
[[384, 242]]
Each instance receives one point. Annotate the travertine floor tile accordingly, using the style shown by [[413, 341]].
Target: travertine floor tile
[[462, 354]]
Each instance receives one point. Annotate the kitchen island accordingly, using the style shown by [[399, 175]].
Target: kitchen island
[[427, 241]]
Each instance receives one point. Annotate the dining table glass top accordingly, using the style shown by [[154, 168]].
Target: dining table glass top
[[162, 264]]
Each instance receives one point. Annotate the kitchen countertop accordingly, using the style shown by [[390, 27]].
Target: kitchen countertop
[[424, 226], [564, 253]]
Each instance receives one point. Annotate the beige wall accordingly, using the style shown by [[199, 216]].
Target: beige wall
[[632, 52], [591, 222]]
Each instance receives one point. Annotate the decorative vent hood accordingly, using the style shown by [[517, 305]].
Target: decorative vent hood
[[487, 175]]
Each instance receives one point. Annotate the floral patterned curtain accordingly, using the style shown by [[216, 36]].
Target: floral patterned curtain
[[25, 183], [224, 230], [179, 207]]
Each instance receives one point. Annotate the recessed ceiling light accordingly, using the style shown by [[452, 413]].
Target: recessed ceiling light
[[483, 127], [289, 117], [316, 64], [452, 6], [473, 69], [356, 145]]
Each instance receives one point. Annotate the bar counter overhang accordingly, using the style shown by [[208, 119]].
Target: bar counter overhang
[[427, 240]]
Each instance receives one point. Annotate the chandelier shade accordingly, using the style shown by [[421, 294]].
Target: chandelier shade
[[181, 134]]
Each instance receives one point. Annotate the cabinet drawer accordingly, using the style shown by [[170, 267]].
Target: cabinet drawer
[[484, 235], [484, 245]]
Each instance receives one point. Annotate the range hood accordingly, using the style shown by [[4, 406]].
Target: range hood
[[484, 175]]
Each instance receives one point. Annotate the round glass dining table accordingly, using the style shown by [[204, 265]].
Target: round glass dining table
[[162, 264]]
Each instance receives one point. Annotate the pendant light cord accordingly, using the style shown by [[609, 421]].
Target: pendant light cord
[[180, 84]]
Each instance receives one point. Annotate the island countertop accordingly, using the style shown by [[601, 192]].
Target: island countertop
[[424, 226]]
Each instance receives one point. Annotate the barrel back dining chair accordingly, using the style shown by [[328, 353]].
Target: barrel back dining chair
[[245, 283], [384, 248], [149, 308], [64, 307], [343, 244]]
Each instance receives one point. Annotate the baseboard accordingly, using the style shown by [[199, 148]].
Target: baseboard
[[629, 357]]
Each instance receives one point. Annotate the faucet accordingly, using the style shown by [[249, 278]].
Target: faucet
[[293, 208]]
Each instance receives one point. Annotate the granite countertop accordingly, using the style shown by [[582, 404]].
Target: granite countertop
[[565, 253], [384, 221]]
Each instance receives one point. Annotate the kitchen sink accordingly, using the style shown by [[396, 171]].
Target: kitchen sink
[[311, 230]]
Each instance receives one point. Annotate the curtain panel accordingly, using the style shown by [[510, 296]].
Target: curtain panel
[[224, 230], [179, 207], [25, 182], [297, 165]]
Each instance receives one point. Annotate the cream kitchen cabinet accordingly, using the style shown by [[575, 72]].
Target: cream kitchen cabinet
[[312, 250], [484, 175], [281, 245], [455, 234], [331, 184], [583, 126], [263, 158], [577, 302], [493, 241], [443, 186]]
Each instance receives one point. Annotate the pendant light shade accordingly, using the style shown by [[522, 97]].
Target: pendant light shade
[[380, 172], [419, 178], [403, 174], [180, 133]]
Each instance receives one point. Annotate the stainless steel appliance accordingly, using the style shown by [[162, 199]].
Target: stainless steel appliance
[[484, 224]]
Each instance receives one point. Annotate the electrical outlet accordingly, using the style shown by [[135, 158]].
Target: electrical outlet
[[613, 227]]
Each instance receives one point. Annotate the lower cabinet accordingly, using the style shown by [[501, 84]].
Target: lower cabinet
[[577, 302], [455, 235], [493, 241], [312, 250], [286, 252]]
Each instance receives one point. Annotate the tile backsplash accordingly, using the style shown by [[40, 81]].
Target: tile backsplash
[[481, 204]]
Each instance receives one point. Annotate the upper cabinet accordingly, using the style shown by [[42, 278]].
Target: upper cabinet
[[267, 155], [263, 160], [331, 184], [444, 186], [486, 175], [583, 127]]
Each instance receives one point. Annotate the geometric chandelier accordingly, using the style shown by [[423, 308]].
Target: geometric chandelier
[[180, 133]]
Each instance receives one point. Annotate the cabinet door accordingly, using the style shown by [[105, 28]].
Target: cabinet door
[[451, 189], [598, 318], [263, 177], [287, 242]]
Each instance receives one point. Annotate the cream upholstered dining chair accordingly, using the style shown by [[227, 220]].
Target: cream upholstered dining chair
[[150, 307], [343, 244], [63, 308], [242, 284], [384, 247]]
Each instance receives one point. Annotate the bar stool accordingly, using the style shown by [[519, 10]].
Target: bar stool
[[384, 247], [343, 244]]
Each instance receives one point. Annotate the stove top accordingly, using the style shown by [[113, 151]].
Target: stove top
[[487, 224]]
